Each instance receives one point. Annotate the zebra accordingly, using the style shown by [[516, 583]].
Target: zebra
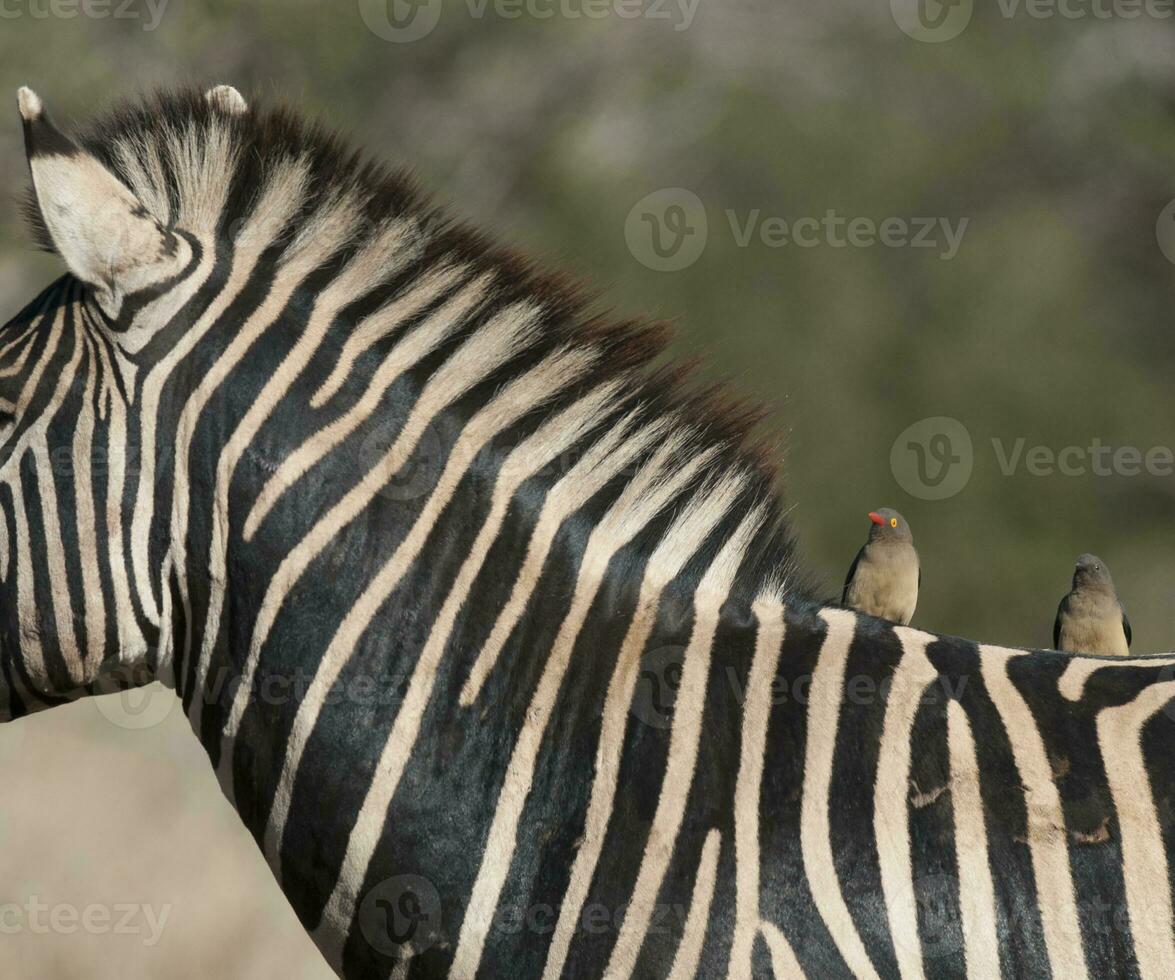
[[492, 625]]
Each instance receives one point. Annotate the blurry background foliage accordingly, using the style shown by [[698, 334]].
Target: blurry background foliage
[[1055, 138]]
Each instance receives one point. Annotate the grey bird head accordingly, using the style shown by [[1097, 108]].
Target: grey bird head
[[888, 525], [1091, 571]]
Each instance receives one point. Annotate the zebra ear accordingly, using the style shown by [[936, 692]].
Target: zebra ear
[[106, 236]]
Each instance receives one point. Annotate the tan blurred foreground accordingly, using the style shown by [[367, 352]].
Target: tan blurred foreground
[[120, 858]]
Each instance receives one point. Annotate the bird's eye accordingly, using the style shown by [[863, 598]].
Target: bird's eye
[[893, 522]]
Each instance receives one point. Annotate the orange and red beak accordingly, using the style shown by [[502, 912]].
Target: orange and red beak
[[876, 518]]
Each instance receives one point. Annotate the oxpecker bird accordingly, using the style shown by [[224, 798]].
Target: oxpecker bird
[[884, 578], [1090, 619]]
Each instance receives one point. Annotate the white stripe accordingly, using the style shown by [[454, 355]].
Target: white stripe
[[26, 598], [784, 964], [976, 892], [93, 602], [58, 599], [5, 545], [552, 438], [29, 388], [825, 697], [655, 485], [748, 787], [689, 531], [1072, 681], [1047, 838], [891, 794], [693, 935], [603, 460], [507, 333], [336, 222], [130, 642], [404, 355], [371, 329], [165, 650], [26, 337], [15, 368], [522, 395], [277, 205], [1144, 855], [684, 738], [389, 250]]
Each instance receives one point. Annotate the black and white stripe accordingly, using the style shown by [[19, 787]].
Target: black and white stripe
[[467, 602]]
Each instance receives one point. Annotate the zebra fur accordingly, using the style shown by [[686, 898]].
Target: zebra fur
[[492, 631]]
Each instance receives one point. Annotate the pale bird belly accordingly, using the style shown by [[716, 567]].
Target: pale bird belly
[[889, 595], [1091, 636]]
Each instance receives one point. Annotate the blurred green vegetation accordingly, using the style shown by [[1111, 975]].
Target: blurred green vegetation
[[1055, 138]]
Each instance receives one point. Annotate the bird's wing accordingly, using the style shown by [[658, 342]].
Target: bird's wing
[[844, 595], [1126, 626], [1057, 624]]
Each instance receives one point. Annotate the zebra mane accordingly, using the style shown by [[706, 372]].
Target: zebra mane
[[195, 165]]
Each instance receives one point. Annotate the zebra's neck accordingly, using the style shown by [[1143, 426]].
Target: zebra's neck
[[67, 466], [354, 498]]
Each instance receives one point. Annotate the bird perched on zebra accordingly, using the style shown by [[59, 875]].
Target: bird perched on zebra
[[1091, 618], [885, 576]]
